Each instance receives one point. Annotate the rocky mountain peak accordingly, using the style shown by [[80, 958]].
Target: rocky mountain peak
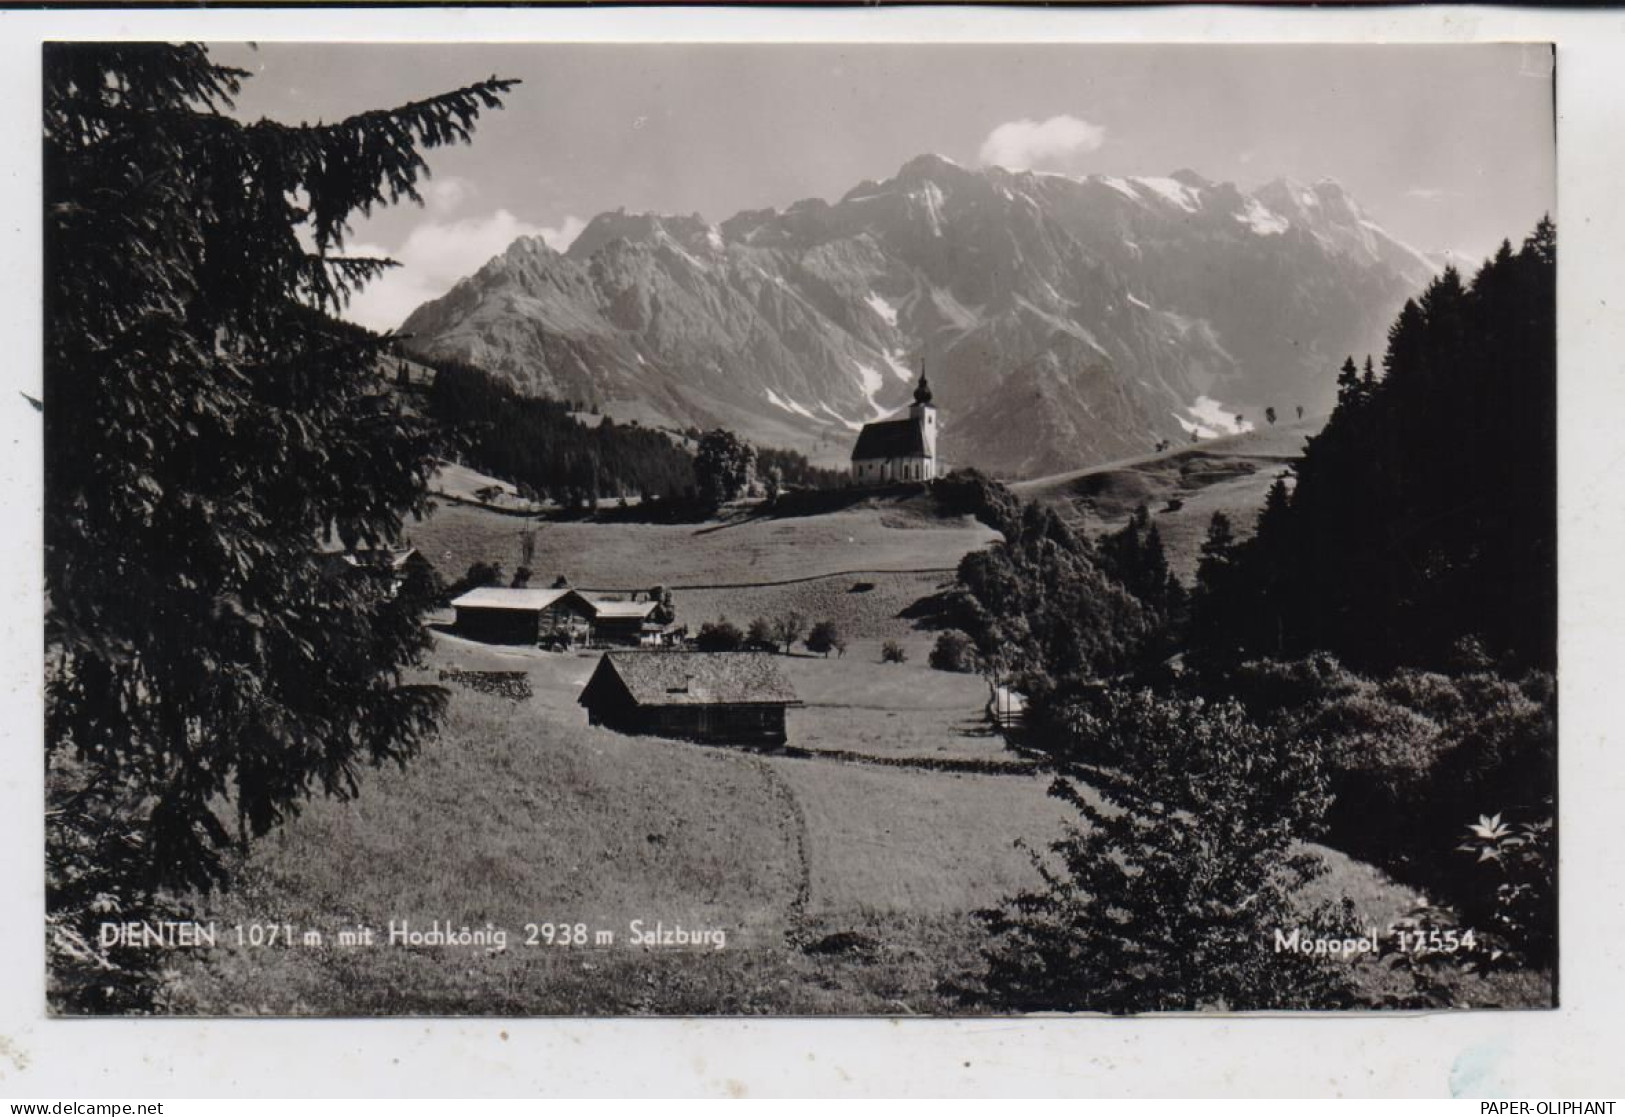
[[1062, 318]]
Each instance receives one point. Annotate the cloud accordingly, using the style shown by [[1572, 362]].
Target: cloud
[[561, 238], [1428, 193], [1020, 145], [443, 195], [435, 255]]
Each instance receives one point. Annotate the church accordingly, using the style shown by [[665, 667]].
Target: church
[[899, 449]]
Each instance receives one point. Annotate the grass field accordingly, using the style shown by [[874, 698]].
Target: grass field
[[856, 703], [1229, 475], [842, 886], [636, 555], [464, 484]]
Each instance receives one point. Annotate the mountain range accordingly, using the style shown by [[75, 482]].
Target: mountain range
[[1063, 321]]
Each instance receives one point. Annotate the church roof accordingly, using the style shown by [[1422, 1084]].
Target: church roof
[[895, 438]]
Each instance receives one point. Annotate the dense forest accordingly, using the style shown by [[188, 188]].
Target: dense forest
[[1423, 517], [539, 445], [1376, 661]]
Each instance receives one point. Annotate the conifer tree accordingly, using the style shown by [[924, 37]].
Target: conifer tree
[[207, 426]]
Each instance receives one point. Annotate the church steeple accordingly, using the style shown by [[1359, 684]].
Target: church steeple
[[922, 390]]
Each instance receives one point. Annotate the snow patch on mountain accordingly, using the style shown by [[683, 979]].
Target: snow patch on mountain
[[1261, 220], [898, 368], [870, 382], [1208, 418], [789, 405], [1139, 303], [931, 194], [881, 307], [1173, 192], [839, 418], [1122, 186]]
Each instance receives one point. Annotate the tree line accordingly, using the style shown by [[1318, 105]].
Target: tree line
[[540, 445], [1372, 667]]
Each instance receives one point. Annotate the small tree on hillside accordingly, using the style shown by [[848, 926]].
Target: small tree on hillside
[[1269, 415], [207, 420], [824, 638], [720, 636], [760, 634], [789, 628], [664, 612], [724, 467], [893, 652], [1168, 892], [954, 651]]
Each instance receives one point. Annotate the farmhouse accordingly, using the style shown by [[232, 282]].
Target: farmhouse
[[496, 615], [899, 449], [620, 622], [713, 697]]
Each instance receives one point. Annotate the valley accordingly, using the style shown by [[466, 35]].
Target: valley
[[845, 872]]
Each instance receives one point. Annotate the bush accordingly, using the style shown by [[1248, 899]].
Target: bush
[[1413, 754], [479, 574], [788, 629], [824, 638], [720, 636], [893, 652], [954, 651], [760, 636], [1167, 895]]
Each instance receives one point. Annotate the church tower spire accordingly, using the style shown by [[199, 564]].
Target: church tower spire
[[922, 390], [924, 412]]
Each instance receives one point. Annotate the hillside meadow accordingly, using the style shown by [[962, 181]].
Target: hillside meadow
[[1229, 475], [843, 886], [744, 549]]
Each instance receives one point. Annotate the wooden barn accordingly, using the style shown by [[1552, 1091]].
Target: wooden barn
[[620, 622], [734, 698], [498, 615]]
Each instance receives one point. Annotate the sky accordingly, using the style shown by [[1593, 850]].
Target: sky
[[1449, 147]]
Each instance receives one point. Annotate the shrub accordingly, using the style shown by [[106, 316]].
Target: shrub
[[760, 635], [893, 652], [954, 651], [479, 574], [788, 629], [1168, 894], [824, 638], [720, 636]]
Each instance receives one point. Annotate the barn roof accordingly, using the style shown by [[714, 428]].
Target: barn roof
[[627, 609], [699, 678], [501, 597], [895, 438]]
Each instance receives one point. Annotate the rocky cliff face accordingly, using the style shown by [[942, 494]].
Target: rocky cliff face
[[1063, 321]]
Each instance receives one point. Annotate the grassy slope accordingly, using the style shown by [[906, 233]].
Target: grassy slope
[[1229, 475], [635, 555], [521, 812], [856, 703], [459, 482]]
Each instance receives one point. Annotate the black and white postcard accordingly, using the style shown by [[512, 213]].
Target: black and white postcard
[[799, 529]]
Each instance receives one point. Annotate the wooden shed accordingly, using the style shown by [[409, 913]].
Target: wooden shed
[[620, 622], [733, 698], [498, 615]]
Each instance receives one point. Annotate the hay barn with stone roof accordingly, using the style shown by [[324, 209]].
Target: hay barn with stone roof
[[735, 698]]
